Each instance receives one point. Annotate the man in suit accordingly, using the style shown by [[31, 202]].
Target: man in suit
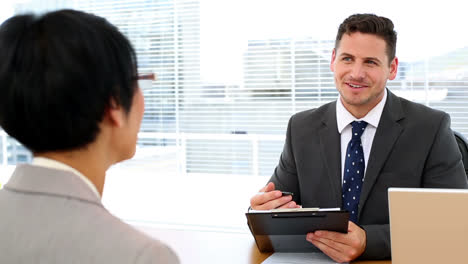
[[400, 144], [69, 93]]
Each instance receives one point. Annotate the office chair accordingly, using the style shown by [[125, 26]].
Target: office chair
[[463, 146]]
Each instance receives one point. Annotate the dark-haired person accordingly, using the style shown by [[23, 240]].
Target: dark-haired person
[[69, 93], [369, 140]]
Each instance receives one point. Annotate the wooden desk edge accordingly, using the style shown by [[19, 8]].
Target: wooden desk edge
[[257, 257]]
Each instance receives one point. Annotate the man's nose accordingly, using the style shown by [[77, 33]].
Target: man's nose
[[358, 72]]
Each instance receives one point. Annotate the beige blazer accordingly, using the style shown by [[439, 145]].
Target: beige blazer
[[52, 216]]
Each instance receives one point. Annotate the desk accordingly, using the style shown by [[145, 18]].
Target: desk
[[208, 247]]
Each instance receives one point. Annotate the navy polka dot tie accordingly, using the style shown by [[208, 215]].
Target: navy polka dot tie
[[354, 171]]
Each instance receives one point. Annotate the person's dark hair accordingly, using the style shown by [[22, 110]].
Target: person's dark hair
[[59, 73], [370, 24]]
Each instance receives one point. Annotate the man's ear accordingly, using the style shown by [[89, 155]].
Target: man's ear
[[115, 114], [332, 62], [393, 69]]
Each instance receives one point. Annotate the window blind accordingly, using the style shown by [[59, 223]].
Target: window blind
[[203, 139], [225, 128]]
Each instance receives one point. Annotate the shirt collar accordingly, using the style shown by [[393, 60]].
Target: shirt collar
[[344, 117], [53, 164]]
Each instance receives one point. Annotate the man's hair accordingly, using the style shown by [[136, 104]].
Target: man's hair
[[370, 24], [59, 73]]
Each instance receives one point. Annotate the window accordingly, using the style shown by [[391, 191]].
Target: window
[[230, 74]]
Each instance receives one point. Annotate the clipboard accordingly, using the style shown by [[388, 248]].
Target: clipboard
[[284, 230]]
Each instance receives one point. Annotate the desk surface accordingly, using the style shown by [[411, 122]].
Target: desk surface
[[215, 247]]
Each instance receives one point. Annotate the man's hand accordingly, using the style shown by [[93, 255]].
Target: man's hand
[[268, 198], [338, 246]]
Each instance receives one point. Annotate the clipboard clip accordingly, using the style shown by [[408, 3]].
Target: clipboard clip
[[298, 214]]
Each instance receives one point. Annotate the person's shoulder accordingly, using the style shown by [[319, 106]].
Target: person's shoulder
[[158, 251], [315, 113], [420, 112], [130, 241]]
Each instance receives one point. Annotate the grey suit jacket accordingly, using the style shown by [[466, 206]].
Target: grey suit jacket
[[52, 216], [413, 147]]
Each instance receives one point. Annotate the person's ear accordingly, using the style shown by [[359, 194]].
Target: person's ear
[[115, 114], [332, 62], [393, 69]]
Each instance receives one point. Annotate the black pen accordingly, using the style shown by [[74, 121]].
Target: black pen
[[282, 193]]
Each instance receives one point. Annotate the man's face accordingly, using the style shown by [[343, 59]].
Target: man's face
[[361, 68]]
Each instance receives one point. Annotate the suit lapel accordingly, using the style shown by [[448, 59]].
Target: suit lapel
[[385, 137], [331, 149]]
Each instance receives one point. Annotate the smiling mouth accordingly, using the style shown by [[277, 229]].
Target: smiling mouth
[[356, 86]]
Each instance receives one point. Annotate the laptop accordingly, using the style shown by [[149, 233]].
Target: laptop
[[428, 225]]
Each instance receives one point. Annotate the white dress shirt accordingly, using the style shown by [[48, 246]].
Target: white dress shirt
[[53, 164], [344, 119]]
